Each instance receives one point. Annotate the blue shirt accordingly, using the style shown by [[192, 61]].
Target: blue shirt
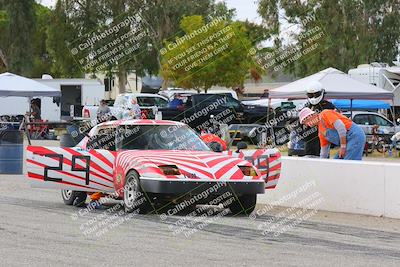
[[175, 103]]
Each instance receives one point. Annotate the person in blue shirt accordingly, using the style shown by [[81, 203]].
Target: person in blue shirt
[[177, 102]]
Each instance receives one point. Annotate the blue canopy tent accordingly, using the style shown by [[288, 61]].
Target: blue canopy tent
[[360, 104]]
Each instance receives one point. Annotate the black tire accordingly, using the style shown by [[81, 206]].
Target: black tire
[[134, 197], [244, 204], [380, 147], [70, 196]]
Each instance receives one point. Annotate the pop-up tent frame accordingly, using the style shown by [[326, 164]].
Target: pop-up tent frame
[[337, 85], [18, 86]]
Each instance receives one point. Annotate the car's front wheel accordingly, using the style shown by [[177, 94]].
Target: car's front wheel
[[71, 197], [244, 204], [134, 198]]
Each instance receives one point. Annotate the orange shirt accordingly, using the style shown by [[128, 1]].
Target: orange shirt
[[328, 118]]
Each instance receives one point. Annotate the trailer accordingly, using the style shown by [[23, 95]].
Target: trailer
[[380, 75], [75, 93]]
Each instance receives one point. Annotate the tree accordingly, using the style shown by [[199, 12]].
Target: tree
[[36, 57], [42, 61], [163, 19], [4, 22], [21, 29], [74, 20], [208, 54], [356, 31], [70, 20]]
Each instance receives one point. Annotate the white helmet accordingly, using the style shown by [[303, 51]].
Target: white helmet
[[315, 92]]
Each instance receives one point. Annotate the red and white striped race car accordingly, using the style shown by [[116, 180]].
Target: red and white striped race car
[[155, 161]]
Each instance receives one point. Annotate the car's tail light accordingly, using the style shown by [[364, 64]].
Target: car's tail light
[[170, 169], [248, 170], [86, 113]]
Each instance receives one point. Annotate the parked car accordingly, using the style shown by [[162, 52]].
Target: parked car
[[368, 119], [200, 109], [147, 102], [171, 92]]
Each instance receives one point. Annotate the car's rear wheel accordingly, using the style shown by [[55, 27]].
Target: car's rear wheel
[[71, 197], [134, 198], [244, 204]]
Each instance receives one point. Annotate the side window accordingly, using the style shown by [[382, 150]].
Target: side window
[[232, 103], [145, 101], [160, 102], [361, 119], [378, 120], [104, 139]]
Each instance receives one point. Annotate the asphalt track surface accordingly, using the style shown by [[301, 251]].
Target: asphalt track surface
[[37, 229]]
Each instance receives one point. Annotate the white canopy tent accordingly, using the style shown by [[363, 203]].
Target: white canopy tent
[[337, 85], [14, 85]]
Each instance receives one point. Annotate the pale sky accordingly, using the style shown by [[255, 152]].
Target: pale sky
[[245, 9]]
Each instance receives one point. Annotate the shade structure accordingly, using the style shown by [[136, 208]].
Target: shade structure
[[360, 104], [337, 85], [15, 85]]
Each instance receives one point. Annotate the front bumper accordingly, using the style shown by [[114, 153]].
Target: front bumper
[[173, 187]]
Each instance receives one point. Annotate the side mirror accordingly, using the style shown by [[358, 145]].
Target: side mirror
[[240, 146]]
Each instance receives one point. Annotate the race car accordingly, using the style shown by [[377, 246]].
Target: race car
[[148, 163]]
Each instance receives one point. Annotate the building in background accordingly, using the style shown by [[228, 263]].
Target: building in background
[[133, 85]]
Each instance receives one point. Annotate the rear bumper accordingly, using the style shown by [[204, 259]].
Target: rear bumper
[[197, 187]]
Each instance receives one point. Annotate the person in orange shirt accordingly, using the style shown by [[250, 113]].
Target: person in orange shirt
[[335, 128]]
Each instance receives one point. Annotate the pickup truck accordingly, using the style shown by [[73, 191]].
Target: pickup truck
[[201, 110], [147, 103]]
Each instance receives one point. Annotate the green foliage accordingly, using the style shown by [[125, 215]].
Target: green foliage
[[163, 19], [4, 21], [69, 20], [42, 61], [357, 31], [21, 30], [222, 61]]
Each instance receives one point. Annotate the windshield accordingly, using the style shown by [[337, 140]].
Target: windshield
[[159, 137]]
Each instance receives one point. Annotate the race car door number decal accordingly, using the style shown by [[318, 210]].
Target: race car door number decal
[[74, 167], [259, 160], [57, 168], [86, 169]]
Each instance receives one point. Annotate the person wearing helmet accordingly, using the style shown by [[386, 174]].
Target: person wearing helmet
[[315, 97], [317, 103]]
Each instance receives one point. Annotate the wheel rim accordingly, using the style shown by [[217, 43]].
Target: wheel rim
[[67, 194], [130, 193]]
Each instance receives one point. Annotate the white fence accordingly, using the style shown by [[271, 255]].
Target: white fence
[[371, 188]]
